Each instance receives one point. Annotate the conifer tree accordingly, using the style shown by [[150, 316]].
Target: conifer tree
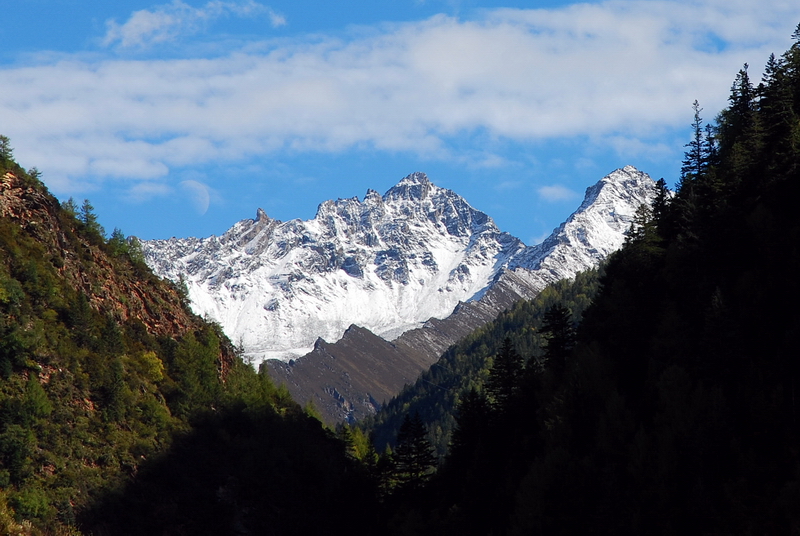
[[660, 202], [6, 152], [693, 162], [738, 129], [88, 217], [504, 376], [559, 331], [778, 116], [472, 421], [345, 435], [70, 207], [413, 456], [117, 243]]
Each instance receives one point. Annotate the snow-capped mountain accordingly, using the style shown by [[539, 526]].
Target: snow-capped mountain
[[388, 263], [595, 230]]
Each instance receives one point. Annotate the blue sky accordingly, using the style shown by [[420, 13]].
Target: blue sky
[[180, 118]]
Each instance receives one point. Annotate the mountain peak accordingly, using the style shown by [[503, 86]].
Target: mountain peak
[[623, 174], [414, 186], [372, 196], [387, 264], [261, 216], [418, 177], [617, 184]]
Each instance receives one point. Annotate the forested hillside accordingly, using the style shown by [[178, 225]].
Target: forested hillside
[[121, 412], [674, 408], [465, 366]]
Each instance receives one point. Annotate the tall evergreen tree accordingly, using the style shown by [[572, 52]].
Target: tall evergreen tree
[[414, 459], [504, 376], [694, 161], [472, 422], [660, 202], [738, 130], [6, 151], [779, 118], [88, 217], [559, 331]]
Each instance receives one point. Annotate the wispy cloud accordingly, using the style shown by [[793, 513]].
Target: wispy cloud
[[508, 185], [144, 191], [612, 73], [556, 192], [167, 22]]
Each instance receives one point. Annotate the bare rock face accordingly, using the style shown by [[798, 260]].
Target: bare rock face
[[417, 266], [350, 377]]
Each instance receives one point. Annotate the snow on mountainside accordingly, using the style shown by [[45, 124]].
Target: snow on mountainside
[[592, 232], [388, 263]]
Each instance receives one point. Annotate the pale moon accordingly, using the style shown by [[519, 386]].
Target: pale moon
[[197, 194]]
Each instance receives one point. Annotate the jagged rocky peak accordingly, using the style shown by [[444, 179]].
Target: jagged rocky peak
[[416, 186], [261, 216], [624, 182], [373, 198], [251, 234], [596, 229], [387, 264]]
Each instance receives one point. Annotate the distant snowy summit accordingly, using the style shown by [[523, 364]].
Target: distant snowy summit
[[387, 263]]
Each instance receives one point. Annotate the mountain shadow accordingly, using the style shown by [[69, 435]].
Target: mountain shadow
[[676, 410], [243, 472]]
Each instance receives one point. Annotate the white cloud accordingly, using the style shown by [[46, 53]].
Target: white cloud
[[169, 21], [556, 192], [616, 73], [144, 191], [276, 19], [508, 185]]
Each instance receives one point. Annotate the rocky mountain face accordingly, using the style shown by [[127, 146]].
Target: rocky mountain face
[[85, 267], [322, 299], [387, 263]]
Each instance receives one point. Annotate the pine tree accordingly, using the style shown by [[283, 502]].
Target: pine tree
[[778, 117], [504, 376], [117, 243], [88, 217], [414, 459], [693, 162], [70, 207], [660, 202], [738, 129], [472, 422], [791, 61], [6, 152], [345, 435], [559, 331], [710, 149], [35, 174]]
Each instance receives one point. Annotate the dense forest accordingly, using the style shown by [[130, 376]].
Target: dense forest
[[121, 412], [657, 395], [466, 366], [673, 407]]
